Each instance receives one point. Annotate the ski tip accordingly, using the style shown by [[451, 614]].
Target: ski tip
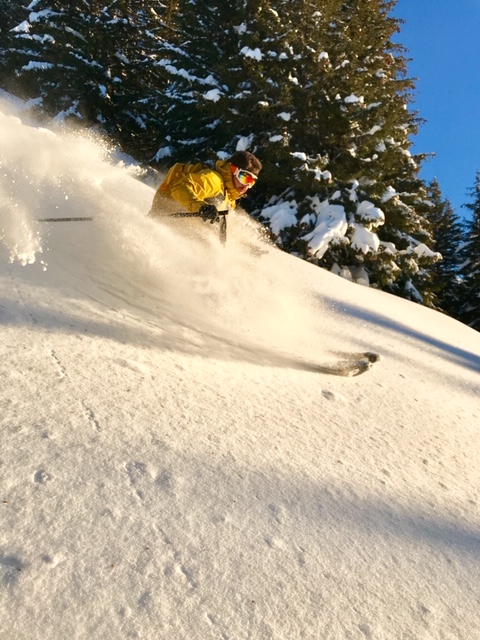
[[370, 356]]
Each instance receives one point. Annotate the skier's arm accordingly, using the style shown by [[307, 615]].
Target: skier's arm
[[194, 189]]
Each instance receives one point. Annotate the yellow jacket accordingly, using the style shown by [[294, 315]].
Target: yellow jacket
[[191, 185]]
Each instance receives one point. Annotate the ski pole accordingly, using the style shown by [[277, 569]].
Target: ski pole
[[78, 219], [223, 221], [196, 214]]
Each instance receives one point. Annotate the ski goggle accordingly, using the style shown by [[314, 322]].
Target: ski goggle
[[244, 177]]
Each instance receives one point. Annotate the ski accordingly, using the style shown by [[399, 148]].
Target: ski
[[77, 219], [348, 369], [371, 356], [350, 365]]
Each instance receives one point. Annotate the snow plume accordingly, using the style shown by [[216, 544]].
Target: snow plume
[[16, 232], [59, 174], [45, 172], [17, 229]]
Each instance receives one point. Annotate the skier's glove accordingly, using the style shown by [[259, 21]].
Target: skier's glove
[[209, 212]]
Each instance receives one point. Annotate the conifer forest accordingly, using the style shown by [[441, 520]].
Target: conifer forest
[[319, 90]]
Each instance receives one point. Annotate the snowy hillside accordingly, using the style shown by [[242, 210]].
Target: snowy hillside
[[170, 467]]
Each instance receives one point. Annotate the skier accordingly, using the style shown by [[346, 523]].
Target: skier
[[201, 190]]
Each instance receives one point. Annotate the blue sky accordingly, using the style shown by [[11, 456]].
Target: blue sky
[[444, 46]]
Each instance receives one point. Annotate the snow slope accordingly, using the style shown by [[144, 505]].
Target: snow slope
[[171, 469]]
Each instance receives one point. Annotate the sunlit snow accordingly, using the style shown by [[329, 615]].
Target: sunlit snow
[[172, 467]]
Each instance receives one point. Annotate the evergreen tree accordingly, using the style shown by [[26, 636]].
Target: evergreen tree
[[319, 91], [91, 61], [216, 85], [363, 132], [189, 58], [469, 312], [448, 236]]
